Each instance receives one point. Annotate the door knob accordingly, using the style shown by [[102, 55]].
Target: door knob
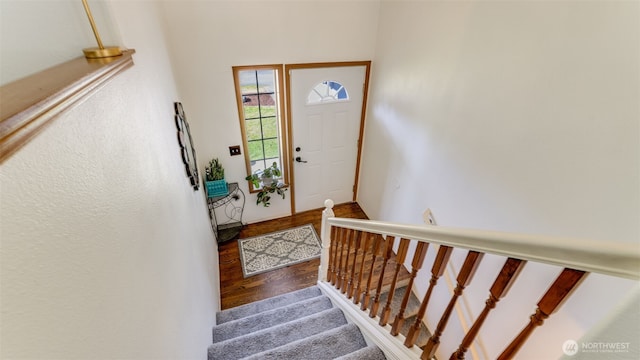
[[298, 149], [299, 159]]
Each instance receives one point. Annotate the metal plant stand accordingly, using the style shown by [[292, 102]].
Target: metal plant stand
[[228, 209]]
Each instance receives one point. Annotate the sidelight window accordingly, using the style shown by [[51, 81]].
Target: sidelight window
[[259, 98]]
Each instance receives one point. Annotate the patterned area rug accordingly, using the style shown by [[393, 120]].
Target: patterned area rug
[[278, 249]]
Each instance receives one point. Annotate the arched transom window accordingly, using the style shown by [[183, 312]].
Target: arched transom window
[[327, 91]]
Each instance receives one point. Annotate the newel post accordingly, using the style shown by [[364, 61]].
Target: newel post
[[325, 236]]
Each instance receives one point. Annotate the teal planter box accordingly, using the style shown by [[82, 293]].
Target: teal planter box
[[216, 188]]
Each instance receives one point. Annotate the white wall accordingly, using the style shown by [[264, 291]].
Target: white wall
[[514, 116], [106, 251], [43, 33], [207, 38]]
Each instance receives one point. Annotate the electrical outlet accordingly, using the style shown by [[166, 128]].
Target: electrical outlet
[[427, 215], [234, 150]]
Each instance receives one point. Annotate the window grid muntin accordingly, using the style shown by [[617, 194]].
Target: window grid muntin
[[327, 91], [262, 140], [271, 111]]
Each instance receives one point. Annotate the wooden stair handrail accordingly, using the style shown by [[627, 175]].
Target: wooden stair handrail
[[610, 258], [577, 257]]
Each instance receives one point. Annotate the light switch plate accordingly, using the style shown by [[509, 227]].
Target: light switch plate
[[234, 150]]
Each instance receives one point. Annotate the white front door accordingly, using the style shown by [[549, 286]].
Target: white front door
[[326, 112]]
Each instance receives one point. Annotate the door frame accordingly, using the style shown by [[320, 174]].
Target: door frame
[[289, 160]]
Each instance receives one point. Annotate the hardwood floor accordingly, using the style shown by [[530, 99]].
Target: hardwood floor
[[235, 290]]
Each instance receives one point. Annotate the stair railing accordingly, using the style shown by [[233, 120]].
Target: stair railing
[[356, 253]]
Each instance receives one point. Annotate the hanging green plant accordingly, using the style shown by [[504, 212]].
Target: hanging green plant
[[267, 182], [264, 196]]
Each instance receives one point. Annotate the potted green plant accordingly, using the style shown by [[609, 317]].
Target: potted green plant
[[214, 179], [267, 183]]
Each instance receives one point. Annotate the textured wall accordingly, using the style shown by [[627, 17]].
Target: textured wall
[[106, 251], [515, 116]]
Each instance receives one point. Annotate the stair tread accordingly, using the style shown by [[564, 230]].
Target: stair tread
[[370, 352], [267, 319], [241, 311], [300, 323], [412, 306], [327, 345], [276, 336]]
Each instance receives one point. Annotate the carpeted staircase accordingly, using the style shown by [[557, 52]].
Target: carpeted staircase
[[410, 313], [299, 325]]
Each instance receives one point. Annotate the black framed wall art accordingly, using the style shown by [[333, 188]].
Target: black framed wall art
[[187, 150]]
